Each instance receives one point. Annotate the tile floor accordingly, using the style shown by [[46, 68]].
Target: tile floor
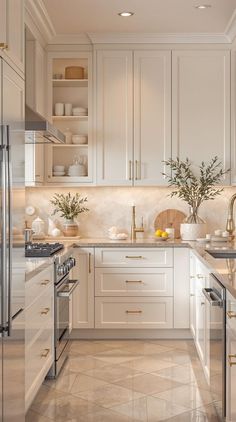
[[124, 381]]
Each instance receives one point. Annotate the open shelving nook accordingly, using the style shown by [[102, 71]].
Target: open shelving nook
[[77, 92]]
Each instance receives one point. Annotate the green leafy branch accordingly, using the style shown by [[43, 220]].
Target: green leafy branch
[[69, 206]]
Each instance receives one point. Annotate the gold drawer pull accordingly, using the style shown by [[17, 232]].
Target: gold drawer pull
[[45, 311], [45, 353], [134, 312], [134, 257], [3, 46], [192, 295], [192, 276], [231, 314], [133, 281], [45, 282], [230, 361], [200, 276]]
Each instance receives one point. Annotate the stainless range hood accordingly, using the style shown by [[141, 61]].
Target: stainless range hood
[[39, 130]]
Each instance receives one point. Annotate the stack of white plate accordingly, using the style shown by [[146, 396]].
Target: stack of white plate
[[77, 170], [80, 111], [79, 139], [59, 171]]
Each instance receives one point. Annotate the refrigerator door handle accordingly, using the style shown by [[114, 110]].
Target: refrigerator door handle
[[9, 234]]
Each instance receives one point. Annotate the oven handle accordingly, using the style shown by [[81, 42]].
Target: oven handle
[[212, 298], [73, 284]]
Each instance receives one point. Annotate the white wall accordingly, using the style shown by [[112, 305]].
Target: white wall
[[111, 206]]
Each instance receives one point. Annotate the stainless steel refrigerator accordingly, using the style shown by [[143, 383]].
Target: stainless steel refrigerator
[[12, 260]]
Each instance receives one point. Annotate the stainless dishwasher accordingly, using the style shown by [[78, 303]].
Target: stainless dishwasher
[[215, 308]]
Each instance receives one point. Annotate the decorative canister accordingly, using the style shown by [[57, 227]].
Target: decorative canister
[[70, 228], [74, 72]]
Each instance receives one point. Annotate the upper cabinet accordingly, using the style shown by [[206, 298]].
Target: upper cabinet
[[12, 32], [133, 116], [35, 76], [201, 105]]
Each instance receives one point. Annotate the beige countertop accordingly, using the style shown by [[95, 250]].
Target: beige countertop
[[147, 243]]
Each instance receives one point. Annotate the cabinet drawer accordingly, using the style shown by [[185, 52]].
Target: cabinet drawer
[[134, 257], [130, 282], [39, 315], [38, 358], [38, 285], [130, 312]]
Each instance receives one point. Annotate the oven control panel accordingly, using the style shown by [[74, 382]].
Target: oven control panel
[[65, 267]]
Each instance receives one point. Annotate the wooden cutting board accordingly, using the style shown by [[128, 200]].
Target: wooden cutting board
[[170, 218]]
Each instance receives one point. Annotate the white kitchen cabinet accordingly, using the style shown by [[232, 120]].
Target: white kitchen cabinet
[[134, 257], [83, 296], [133, 86], [134, 312], [192, 290], [12, 32], [34, 164], [35, 76], [201, 106], [181, 288], [230, 357], [39, 331]]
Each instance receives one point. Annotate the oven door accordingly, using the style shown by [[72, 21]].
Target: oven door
[[63, 291]]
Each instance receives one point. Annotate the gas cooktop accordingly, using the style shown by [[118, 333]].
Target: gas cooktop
[[42, 250]]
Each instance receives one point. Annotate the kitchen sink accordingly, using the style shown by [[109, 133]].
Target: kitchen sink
[[223, 254]]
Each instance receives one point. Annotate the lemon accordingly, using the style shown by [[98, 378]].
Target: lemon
[[158, 233], [164, 234]]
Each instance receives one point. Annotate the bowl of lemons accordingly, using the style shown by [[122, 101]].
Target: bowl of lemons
[[161, 235]]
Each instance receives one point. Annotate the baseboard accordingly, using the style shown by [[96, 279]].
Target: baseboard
[[119, 334]]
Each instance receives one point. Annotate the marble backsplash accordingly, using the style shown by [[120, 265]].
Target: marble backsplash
[[111, 206]]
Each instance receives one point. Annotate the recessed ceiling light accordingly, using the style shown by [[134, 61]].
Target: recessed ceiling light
[[203, 6], [126, 14]]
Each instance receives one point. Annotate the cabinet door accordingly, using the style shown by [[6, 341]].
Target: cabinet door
[[152, 115], [12, 31], [35, 76], [114, 122], [83, 296], [34, 164], [201, 106], [192, 296], [200, 324], [230, 374]]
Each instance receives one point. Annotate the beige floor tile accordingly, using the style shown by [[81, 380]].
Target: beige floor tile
[[62, 383], [177, 344], [102, 415], [116, 356], [183, 374], [119, 344], [149, 409], [187, 396], [147, 349], [66, 407], [109, 395], [32, 416], [192, 416], [147, 384], [112, 373], [46, 393], [87, 348], [84, 383], [179, 357], [83, 363], [148, 364], [210, 411]]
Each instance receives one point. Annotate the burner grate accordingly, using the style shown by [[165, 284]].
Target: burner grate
[[42, 250]]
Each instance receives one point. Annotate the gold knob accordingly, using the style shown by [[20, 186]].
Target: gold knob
[[3, 46], [49, 176], [45, 353], [45, 311], [231, 314], [134, 312], [45, 282], [200, 276], [230, 361]]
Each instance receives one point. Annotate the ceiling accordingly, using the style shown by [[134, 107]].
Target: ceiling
[[71, 17]]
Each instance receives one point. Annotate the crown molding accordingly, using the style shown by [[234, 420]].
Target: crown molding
[[230, 30], [80, 38], [155, 38], [41, 19]]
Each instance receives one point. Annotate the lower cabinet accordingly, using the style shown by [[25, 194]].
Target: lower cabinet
[[83, 296], [39, 332], [230, 358]]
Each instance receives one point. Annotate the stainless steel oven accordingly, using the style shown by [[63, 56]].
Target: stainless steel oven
[[215, 303], [63, 288]]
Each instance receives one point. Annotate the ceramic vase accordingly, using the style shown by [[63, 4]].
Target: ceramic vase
[[70, 228]]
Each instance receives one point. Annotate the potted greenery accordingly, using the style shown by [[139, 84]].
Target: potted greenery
[[69, 206], [194, 189]]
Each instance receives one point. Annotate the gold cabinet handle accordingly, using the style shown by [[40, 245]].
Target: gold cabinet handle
[[133, 281], [45, 353], [230, 357], [45, 282], [134, 257], [231, 314], [136, 169], [89, 263], [37, 175], [3, 46], [200, 276], [192, 295], [130, 170], [192, 276], [45, 311], [134, 312], [202, 303]]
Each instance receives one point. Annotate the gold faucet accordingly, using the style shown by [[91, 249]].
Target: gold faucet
[[230, 225], [135, 229]]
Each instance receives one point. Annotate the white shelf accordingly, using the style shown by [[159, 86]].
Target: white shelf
[[73, 83], [68, 118]]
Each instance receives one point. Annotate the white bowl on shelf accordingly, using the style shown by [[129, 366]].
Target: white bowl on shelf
[[59, 173], [59, 168], [77, 170], [79, 139]]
